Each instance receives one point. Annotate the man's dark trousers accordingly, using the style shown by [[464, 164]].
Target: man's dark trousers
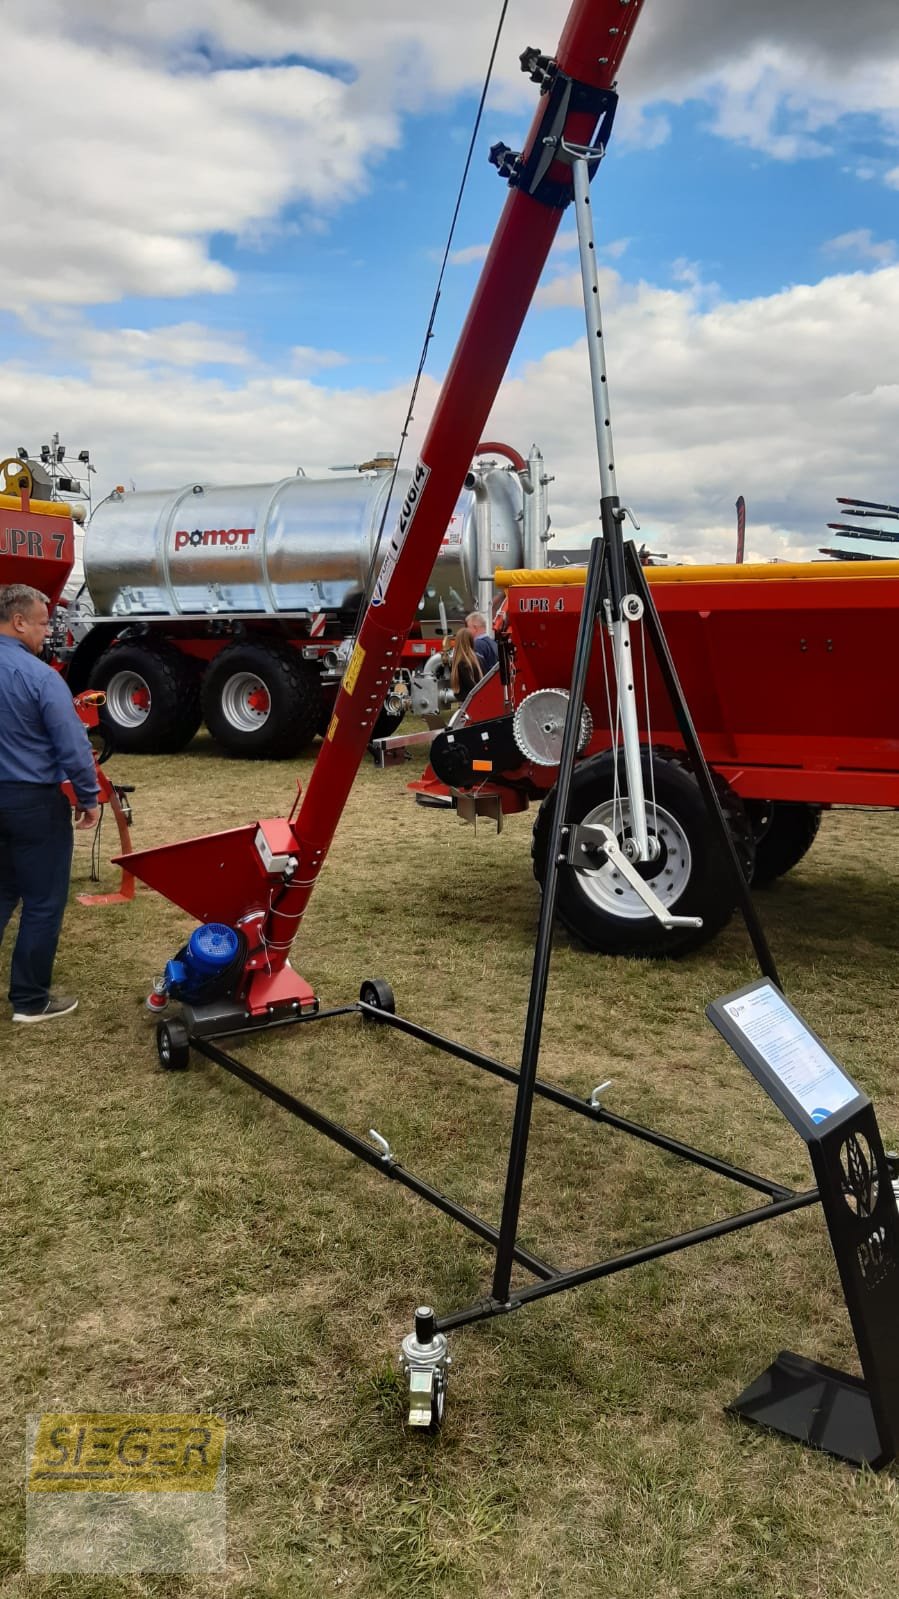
[[36, 845]]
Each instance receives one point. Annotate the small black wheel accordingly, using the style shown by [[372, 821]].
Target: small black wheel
[[378, 994], [173, 1046]]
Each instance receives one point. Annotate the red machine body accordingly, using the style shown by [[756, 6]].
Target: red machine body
[[37, 538], [787, 670], [589, 54]]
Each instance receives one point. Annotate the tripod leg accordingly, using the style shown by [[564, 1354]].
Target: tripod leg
[[701, 771], [518, 1146]]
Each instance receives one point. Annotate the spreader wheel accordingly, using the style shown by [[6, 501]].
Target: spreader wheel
[[691, 874], [784, 832], [378, 994], [173, 1046]]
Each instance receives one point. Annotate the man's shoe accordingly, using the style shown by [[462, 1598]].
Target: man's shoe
[[62, 1005]]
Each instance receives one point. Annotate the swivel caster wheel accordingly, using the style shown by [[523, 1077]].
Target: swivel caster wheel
[[172, 1046], [425, 1363], [427, 1401], [378, 994]]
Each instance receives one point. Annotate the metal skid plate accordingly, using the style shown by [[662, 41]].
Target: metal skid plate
[[539, 723]]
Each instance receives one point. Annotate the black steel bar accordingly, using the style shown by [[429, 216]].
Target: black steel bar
[[482, 1309], [583, 1107], [389, 1167], [700, 766], [269, 1025], [518, 1145]]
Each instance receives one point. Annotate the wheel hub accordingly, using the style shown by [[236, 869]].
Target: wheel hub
[[128, 699], [246, 702], [669, 872]]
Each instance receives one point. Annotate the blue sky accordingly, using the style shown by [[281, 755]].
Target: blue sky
[[222, 256]]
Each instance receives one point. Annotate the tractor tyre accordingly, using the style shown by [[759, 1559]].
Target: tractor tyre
[[692, 875], [262, 701], [152, 698], [784, 832]]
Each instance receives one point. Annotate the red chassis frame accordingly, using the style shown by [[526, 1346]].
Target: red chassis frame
[[220, 877]]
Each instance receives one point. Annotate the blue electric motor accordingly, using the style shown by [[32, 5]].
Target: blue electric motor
[[205, 956]]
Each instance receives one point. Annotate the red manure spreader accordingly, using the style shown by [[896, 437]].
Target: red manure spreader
[[788, 671]]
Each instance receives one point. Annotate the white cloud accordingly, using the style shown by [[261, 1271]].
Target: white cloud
[[306, 359], [861, 243], [790, 399], [181, 344], [469, 253], [134, 145], [120, 193]]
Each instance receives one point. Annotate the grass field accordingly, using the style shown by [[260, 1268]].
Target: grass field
[[172, 1242]]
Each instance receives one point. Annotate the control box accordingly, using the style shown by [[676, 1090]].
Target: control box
[[275, 845]]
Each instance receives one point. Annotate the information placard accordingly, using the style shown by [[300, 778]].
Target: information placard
[[787, 1058]]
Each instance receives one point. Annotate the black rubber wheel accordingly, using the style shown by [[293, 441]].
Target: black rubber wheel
[[152, 698], [784, 831], [262, 701], [692, 875], [438, 1409], [172, 1046], [379, 994]]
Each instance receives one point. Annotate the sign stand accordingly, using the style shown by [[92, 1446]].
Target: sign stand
[[856, 1420]]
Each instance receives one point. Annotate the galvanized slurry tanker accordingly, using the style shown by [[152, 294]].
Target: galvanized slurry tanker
[[249, 887], [235, 605]]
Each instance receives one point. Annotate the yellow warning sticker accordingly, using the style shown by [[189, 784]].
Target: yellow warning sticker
[[353, 669], [332, 729]]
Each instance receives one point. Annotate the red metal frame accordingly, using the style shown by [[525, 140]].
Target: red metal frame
[[88, 707], [590, 51]]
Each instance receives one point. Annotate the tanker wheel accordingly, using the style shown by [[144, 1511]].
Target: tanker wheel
[[152, 698], [784, 832], [691, 876], [262, 701]]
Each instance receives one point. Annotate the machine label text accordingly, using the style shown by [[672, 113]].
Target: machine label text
[[409, 507], [227, 538], [29, 542]]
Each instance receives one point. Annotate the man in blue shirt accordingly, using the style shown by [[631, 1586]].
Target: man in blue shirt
[[42, 743], [484, 644]]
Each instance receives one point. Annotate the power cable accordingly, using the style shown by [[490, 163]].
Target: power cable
[[429, 333]]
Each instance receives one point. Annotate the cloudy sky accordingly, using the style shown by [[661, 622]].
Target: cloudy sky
[[223, 221]]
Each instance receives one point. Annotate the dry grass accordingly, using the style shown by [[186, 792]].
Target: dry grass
[[173, 1242]]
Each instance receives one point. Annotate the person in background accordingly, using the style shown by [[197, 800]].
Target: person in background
[[465, 671], [42, 743], [484, 642]]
